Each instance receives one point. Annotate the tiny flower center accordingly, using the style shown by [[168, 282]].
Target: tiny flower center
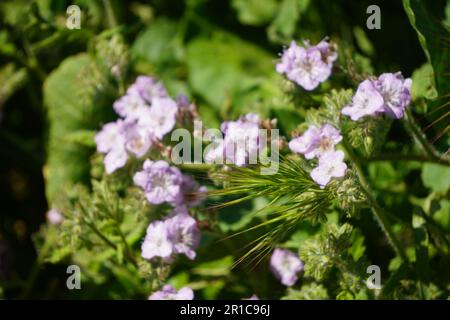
[[326, 144]]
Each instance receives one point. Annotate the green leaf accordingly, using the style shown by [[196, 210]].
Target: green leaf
[[219, 267], [156, 43], [285, 22], [430, 32], [423, 83], [255, 12], [442, 216], [363, 41], [75, 101], [436, 177], [223, 68], [82, 137]]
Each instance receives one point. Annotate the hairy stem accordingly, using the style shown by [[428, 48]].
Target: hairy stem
[[379, 213], [415, 131]]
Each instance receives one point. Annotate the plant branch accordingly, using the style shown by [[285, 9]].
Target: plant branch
[[379, 213], [415, 131], [408, 157]]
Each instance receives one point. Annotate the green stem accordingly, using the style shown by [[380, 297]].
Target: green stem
[[112, 19], [408, 157], [379, 213], [414, 130], [128, 252], [195, 166]]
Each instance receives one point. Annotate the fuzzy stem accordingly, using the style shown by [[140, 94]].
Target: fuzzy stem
[[415, 131], [379, 213]]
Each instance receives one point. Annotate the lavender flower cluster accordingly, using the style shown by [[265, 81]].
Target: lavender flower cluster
[[177, 234], [147, 112], [308, 66], [241, 142], [320, 143], [389, 93], [147, 115]]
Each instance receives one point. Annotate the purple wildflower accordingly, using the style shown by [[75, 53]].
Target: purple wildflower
[[183, 233], [131, 105], [316, 142], [330, 165], [115, 159], [308, 67], [160, 182], [285, 265], [395, 91], [111, 141], [118, 138], [215, 152], [160, 118], [149, 88], [156, 242], [109, 137], [170, 293], [328, 51], [241, 142], [390, 93], [138, 139], [193, 193], [366, 101]]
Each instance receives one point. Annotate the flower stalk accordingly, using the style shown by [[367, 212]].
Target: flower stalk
[[379, 213]]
